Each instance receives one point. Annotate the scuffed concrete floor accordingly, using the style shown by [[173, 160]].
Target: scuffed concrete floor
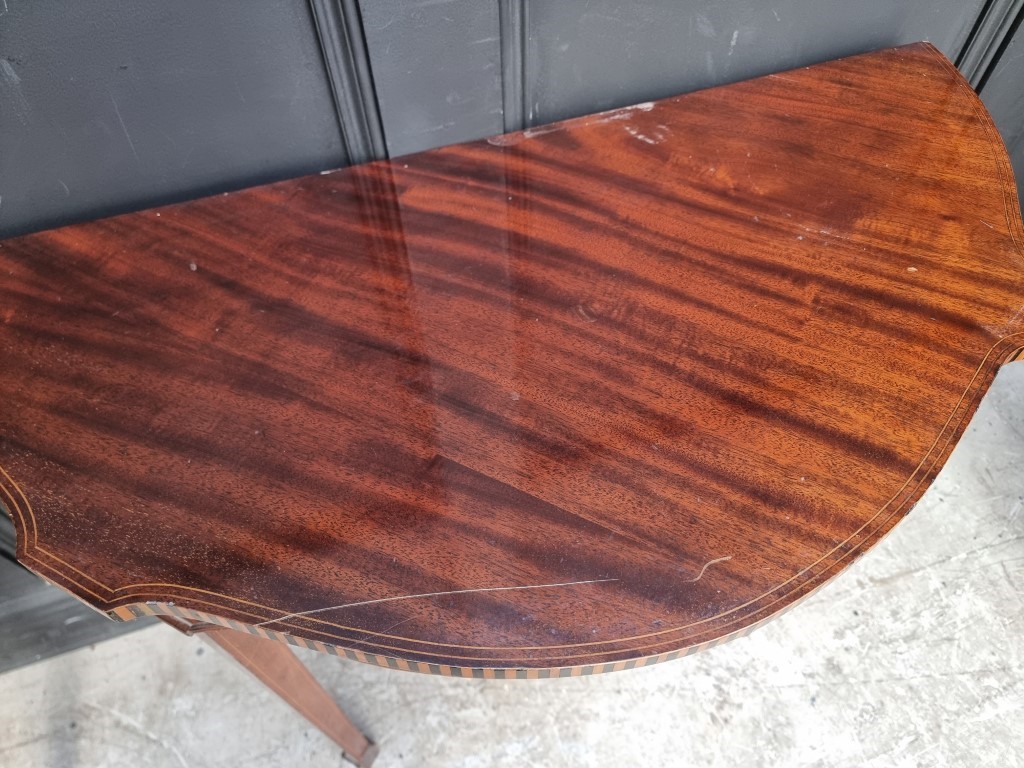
[[913, 657]]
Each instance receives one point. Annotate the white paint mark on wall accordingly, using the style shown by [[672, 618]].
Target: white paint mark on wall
[[124, 128], [436, 128], [10, 91], [704, 26]]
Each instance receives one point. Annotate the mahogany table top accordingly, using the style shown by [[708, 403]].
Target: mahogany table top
[[573, 399]]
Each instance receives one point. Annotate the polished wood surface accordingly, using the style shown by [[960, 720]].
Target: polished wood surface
[[568, 400]]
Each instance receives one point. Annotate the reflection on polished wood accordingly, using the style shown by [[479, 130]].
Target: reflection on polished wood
[[576, 399]]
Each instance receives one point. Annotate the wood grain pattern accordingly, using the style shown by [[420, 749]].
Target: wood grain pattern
[[567, 400]]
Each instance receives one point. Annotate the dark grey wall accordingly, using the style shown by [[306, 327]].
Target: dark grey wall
[[107, 106], [1003, 94], [437, 70], [588, 56], [456, 70]]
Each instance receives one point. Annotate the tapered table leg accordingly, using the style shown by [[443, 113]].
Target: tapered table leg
[[279, 669]]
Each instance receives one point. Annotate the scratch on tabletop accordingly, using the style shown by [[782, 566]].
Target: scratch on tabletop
[[434, 594], [363, 640], [706, 566], [622, 113]]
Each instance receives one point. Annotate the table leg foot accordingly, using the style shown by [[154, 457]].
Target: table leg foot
[[275, 665]]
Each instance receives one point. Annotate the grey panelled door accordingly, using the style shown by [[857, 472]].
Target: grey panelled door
[[107, 106], [1003, 93], [450, 71]]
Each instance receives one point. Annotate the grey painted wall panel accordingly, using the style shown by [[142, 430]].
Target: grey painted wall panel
[[588, 55], [437, 70], [107, 106], [1003, 94]]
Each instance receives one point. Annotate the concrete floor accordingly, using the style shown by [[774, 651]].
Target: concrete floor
[[913, 657]]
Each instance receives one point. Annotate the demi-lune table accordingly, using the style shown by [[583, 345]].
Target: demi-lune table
[[576, 399]]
